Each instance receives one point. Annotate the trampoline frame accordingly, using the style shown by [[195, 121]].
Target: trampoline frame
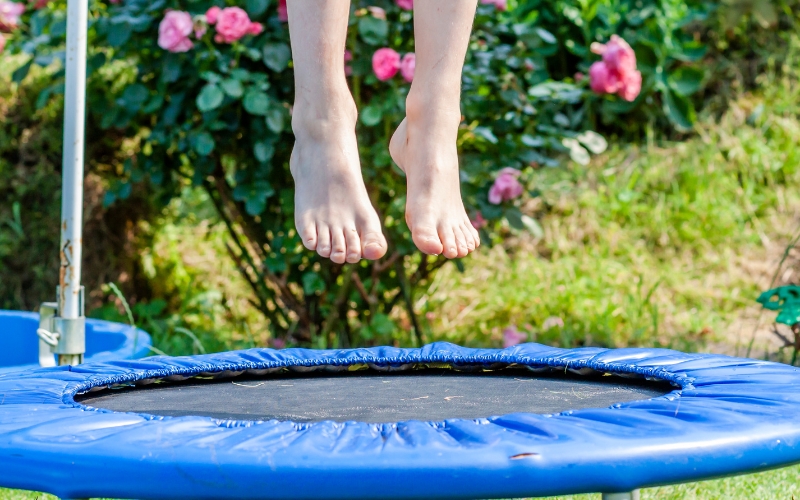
[[728, 416]]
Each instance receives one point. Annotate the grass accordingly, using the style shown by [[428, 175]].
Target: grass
[[781, 484]]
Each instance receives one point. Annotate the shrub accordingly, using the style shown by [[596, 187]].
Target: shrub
[[210, 106]]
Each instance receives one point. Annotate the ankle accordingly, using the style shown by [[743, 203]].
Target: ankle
[[442, 107], [318, 115]]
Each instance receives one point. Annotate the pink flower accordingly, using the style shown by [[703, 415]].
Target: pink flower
[[407, 66], [617, 54], [616, 73], [278, 343], [283, 12], [348, 56], [2, 43], [579, 76], [200, 26], [506, 186], [256, 28], [10, 13], [377, 12], [212, 14], [41, 4], [479, 222], [385, 63], [232, 24], [405, 4], [498, 4], [174, 31], [512, 336]]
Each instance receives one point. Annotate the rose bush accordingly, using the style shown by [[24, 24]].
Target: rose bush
[[204, 89]]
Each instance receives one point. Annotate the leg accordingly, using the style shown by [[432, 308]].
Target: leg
[[333, 213], [424, 145]]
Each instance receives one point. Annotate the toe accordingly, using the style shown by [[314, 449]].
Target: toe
[[469, 237], [353, 243], [461, 241], [476, 235], [427, 239], [338, 246], [448, 239], [308, 233], [324, 241], [373, 244]]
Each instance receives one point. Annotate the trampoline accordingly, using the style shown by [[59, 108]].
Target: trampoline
[[441, 421]]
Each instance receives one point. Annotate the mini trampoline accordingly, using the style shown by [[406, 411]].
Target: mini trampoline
[[441, 421]]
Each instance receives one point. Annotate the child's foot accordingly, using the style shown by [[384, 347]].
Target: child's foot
[[424, 146], [333, 212]]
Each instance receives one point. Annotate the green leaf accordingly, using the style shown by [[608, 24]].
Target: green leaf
[[486, 134], [593, 141], [765, 13], [256, 7], [119, 34], [203, 143], [275, 120], [134, 96], [373, 30], [232, 87], [533, 226], [691, 51], [263, 151], [20, 73], [256, 102], [313, 283], [382, 325], [531, 141], [686, 80], [546, 36], [210, 98], [679, 110], [371, 116], [276, 56], [577, 152]]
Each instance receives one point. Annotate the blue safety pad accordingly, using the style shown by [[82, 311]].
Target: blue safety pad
[[726, 416]]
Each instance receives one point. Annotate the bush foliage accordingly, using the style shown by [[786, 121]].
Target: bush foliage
[[218, 116]]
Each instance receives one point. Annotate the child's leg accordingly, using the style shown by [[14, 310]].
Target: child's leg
[[333, 213], [424, 145]]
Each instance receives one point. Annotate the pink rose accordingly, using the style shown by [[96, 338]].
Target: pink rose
[[405, 4], [212, 15], [2, 43], [479, 222], [385, 63], [602, 79], [256, 29], [348, 56], [377, 12], [232, 24], [512, 336], [617, 54], [407, 66], [616, 73], [10, 13], [498, 4], [506, 186], [631, 86], [174, 31], [283, 12]]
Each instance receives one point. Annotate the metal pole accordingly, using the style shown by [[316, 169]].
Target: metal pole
[[70, 323], [630, 495]]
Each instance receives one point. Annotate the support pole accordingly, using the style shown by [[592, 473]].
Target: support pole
[[630, 495], [70, 323]]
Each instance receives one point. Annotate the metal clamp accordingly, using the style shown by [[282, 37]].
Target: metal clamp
[[47, 339]]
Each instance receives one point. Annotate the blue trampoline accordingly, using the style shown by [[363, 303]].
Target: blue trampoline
[[76, 431], [105, 341]]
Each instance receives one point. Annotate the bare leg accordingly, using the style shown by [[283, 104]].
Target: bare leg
[[333, 213], [424, 145]]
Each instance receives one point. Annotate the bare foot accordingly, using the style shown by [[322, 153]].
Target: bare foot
[[424, 146], [333, 212]]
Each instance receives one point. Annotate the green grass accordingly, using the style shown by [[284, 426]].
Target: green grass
[[781, 484]]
